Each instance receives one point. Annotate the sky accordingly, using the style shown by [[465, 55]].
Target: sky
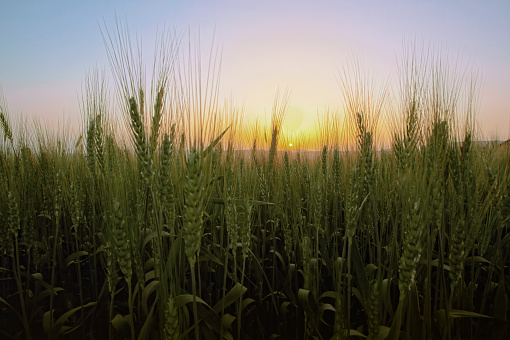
[[47, 48]]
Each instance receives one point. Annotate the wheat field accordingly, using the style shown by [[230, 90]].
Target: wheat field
[[155, 226]]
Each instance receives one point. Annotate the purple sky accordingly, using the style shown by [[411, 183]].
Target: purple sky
[[48, 46]]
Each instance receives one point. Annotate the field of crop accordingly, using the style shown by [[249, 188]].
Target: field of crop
[[172, 234]]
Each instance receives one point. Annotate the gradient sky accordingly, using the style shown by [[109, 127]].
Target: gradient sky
[[48, 46]]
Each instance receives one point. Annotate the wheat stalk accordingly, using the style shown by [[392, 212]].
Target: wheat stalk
[[374, 310], [194, 207], [171, 330], [139, 138], [193, 210], [412, 249]]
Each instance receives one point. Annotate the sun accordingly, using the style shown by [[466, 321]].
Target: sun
[[290, 144]]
